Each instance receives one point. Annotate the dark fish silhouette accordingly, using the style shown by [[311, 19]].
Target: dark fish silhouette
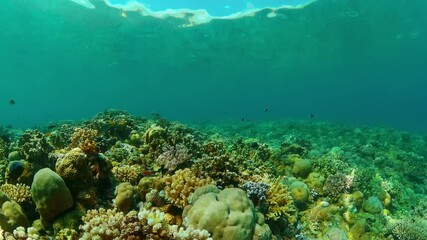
[[266, 110], [12, 102], [311, 116], [242, 119]]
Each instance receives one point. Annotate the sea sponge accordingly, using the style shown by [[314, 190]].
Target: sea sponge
[[302, 167], [229, 214], [50, 194], [181, 185], [17, 192], [299, 193], [12, 216], [125, 197]]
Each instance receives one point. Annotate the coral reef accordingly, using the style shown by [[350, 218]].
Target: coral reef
[[117, 176]]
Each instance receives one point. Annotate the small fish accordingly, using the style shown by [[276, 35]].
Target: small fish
[[311, 115], [12, 102], [242, 119], [266, 110], [51, 126]]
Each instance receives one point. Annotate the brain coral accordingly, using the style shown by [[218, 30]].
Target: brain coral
[[181, 185], [228, 214]]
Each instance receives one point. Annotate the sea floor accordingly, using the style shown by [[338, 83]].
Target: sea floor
[[118, 176]]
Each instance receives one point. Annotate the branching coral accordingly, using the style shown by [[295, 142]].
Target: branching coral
[[3, 149], [128, 173], [279, 202], [409, 229], [85, 140], [35, 148], [221, 168], [172, 156], [181, 185], [180, 233], [256, 191], [145, 224], [335, 186], [17, 192]]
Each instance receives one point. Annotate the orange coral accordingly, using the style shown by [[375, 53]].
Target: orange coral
[[85, 140]]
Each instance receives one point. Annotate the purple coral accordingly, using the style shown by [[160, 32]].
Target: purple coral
[[172, 156], [256, 191]]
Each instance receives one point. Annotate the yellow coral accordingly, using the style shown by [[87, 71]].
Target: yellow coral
[[128, 173], [181, 185], [85, 140], [17, 192], [279, 201]]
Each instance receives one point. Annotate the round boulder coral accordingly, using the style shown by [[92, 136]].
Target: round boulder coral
[[228, 214], [300, 193], [302, 168], [373, 205], [50, 194]]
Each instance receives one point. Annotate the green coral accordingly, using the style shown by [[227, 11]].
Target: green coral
[[279, 202], [50, 194]]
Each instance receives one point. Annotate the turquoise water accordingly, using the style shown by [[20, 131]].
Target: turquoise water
[[358, 62], [216, 8]]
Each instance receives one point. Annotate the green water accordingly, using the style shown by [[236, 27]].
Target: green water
[[360, 62]]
